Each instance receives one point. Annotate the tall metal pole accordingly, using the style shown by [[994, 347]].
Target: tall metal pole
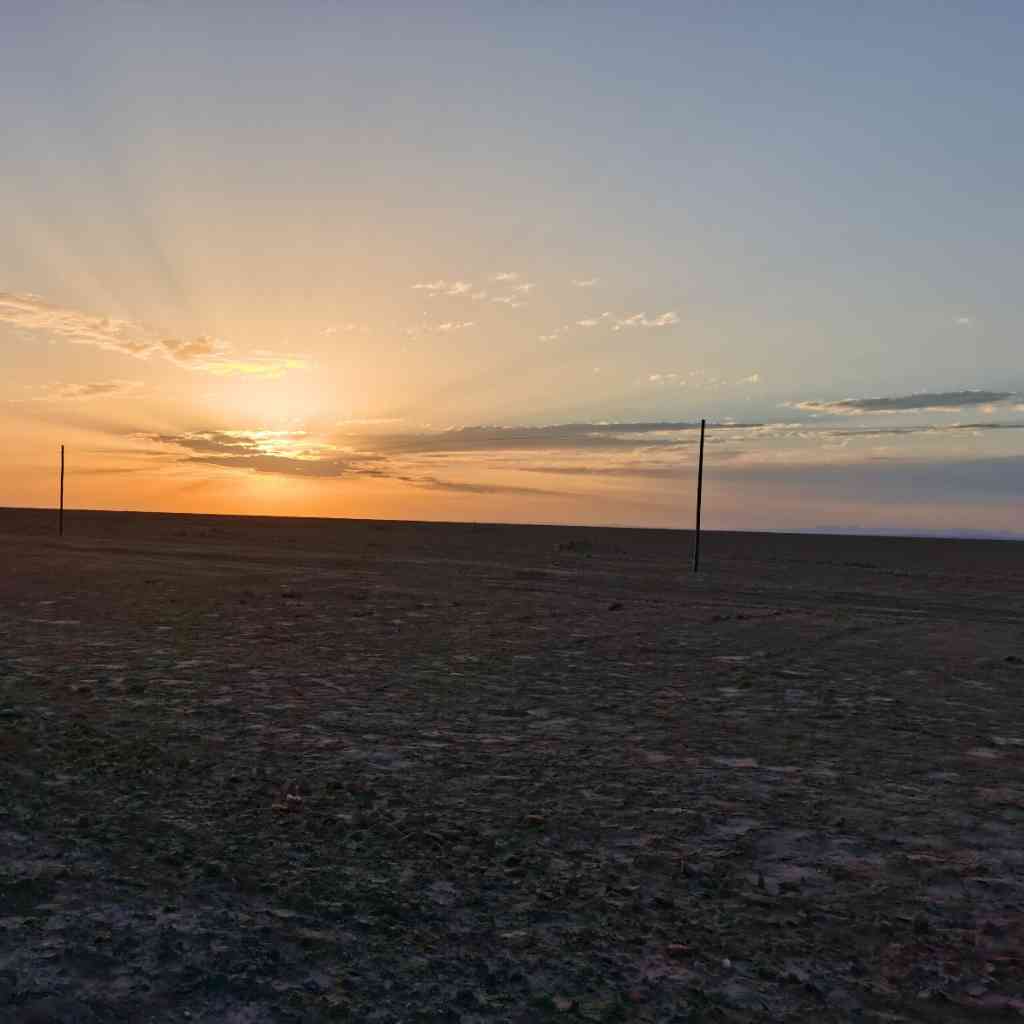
[[60, 521], [700, 484]]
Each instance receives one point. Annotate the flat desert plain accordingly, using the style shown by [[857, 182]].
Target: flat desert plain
[[259, 770]]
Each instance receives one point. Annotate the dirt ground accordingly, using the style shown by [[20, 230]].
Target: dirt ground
[[258, 770]]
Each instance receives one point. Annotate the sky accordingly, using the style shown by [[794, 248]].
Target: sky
[[495, 261]]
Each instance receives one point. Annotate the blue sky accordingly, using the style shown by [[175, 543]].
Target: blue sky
[[339, 224]]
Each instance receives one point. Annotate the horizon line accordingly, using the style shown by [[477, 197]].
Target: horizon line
[[896, 533]]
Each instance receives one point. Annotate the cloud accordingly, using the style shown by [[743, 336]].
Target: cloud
[[949, 429], [593, 321], [964, 321], [343, 329], [282, 452], [508, 300], [896, 481], [555, 334], [507, 275], [286, 466], [640, 320], [620, 323], [191, 352], [434, 288], [61, 392], [31, 313], [633, 469], [370, 421], [555, 436], [442, 328], [700, 379], [131, 338], [924, 401], [828, 455], [266, 367], [588, 282], [434, 484]]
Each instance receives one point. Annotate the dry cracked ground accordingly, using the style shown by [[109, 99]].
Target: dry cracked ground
[[283, 770]]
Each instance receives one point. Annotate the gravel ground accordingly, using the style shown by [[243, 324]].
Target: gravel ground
[[298, 770]]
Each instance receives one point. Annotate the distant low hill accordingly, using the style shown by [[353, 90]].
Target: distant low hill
[[881, 531]]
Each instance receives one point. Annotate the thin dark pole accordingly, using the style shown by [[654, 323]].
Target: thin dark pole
[[700, 485], [60, 521]]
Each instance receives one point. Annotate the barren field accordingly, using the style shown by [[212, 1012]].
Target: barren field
[[258, 770]]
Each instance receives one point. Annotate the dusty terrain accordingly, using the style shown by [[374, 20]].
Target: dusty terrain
[[283, 770]]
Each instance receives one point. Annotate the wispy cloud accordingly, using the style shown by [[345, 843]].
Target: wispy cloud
[[923, 402], [433, 288], [267, 367], [641, 320], [508, 300], [294, 453], [269, 451], [587, 282], [350, 328], [193, 352], [62, 392], [642, 450], [700, 379], [505, 275], [31, 313], [321, 468], [460, 487], [521, 438], [447, 327], [368, 421], [554, 335], [619, 323], [131, 338]]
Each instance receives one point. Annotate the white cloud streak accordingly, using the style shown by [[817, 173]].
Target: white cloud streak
[[435, 288], [668, 319], [593, 321], [32, 314], [928, 401]]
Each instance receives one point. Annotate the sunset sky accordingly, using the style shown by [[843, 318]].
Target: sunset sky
[[493, 261]]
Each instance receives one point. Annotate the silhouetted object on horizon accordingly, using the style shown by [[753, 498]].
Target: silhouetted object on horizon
[[700, 482], [60, 516]]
